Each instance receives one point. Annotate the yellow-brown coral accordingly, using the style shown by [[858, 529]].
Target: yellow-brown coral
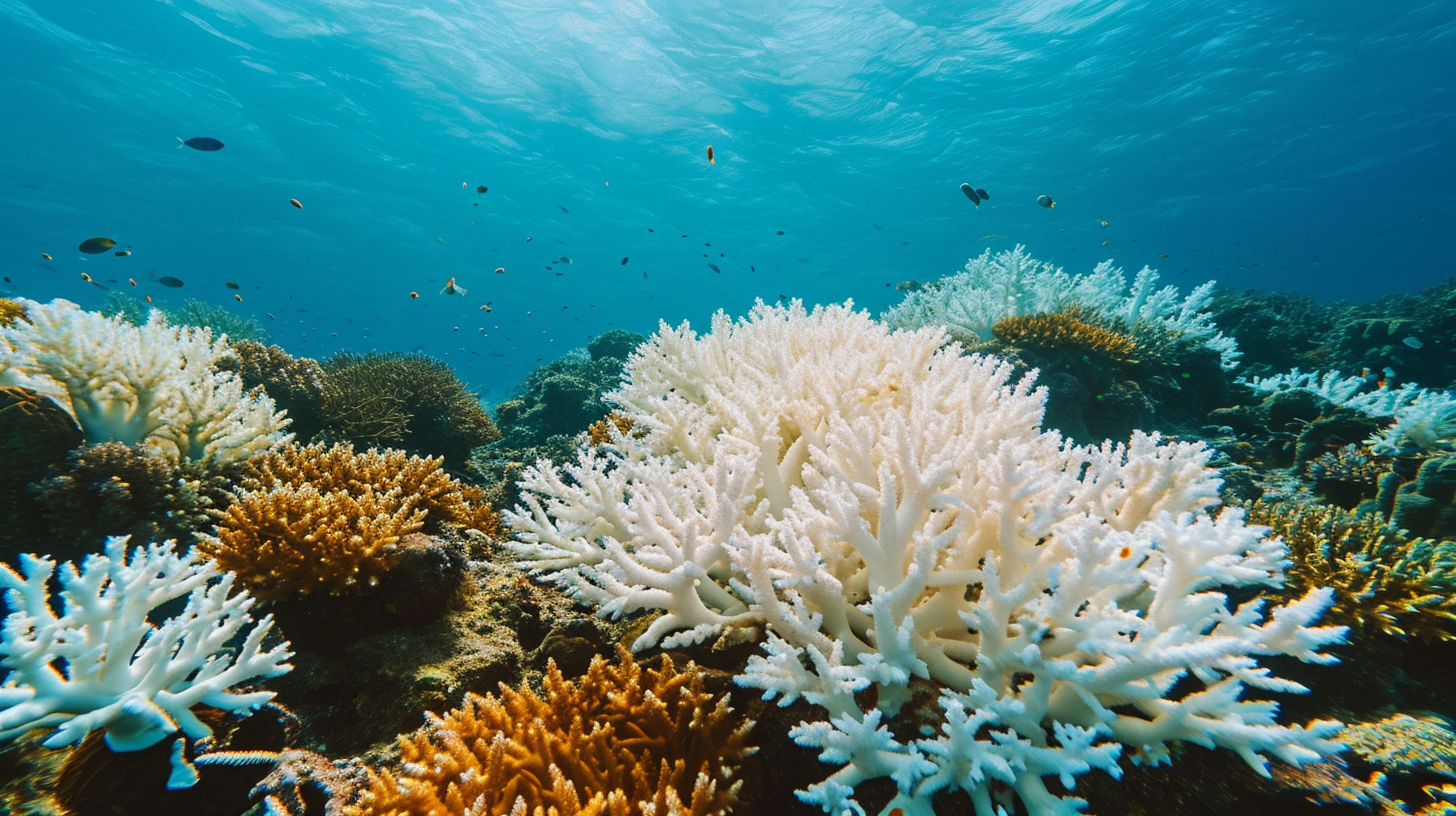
[[1383, 581], [1404, 744], [1066, 330], [600, 432], [10, 311], [319, 518], [620, 740]]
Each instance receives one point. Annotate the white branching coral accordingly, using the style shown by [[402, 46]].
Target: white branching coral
[[1013, 284], [103, 663], [154, 384], [1423, 420], [888, 509]]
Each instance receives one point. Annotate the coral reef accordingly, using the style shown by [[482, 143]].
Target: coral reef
[[155, 384], [35, 434], [327, 519], [1384, 581], [1067, 330], [1013, 284], [111, 489], [296, 384], [206, 315], [10, 311], [618, 741], [104, 664], [1275, 330], [1426, 504], [408, 401], [1347, 475], [891, 512]]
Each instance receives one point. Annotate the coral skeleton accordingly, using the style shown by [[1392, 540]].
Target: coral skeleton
[[1013, 284], [890, 511], [103, 663], [156, 384]]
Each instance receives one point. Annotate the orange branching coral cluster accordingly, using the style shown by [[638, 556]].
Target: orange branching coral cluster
[[600, 432], [1069, 329], [326, 518], [1383, 580], [620, 740]]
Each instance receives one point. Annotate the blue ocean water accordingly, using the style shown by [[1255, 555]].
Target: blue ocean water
[[1294, 145]]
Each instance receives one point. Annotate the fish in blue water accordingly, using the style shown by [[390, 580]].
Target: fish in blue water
[[452, 289], [624, 262], [170, 282], [975, 194], [1046, 201], [203, 143], [96, 246], [715, 268]]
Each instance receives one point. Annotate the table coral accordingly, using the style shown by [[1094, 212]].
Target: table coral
[[888, 509], [620, 740]]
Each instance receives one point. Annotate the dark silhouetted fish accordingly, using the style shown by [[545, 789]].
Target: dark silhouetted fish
[[203, 143], [563, 209], [715, 268], [482, 188], [230, 285], [96, 246], [971, 194], [624, 262], [1046, 201], [170, 282]]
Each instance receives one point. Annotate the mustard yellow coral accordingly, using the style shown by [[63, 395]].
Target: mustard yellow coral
[[1066, 330], [1383, 580], [10, 311], [326, 519], [620, 740]]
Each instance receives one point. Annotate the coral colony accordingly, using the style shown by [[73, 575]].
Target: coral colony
[[965, 601], [888, 509]]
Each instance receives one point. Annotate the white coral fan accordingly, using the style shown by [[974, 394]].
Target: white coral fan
[[1013, 284], [891, 509], [103, 663], [155, 384], [1424, 420]]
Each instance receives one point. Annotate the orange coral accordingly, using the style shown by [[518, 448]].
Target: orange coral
[[314, 517], [618, 741], [1066, 330]]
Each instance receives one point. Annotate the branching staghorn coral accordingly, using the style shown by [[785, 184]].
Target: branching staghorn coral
[[1383, 580], [888, 508], [1013, 284], [1066, 330], [620, 740], [326, 518]]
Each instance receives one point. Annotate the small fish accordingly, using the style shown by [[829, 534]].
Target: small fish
[[464, 185], [170, 282], [482, 188], [715, 268], [414, 295], [131, 281], [992, 237], [565, 259], [1413, 342], [1046, 201], [149, 298], [644, 274], [270, 316], [781, 232], [238, 298], [528, 239], [971, 194], [563, 209], [485, 307], [1104, 223], [1164, 255], [206, 144], [500, 270], [441, 240], [231, 285], [86, 277], [1105, 243], [452, 289], [295, 202], [96, 246], [711, 160], [47, 256], [909, 286], [122, 253], [624, 261]]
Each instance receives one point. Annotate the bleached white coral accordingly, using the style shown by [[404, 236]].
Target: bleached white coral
[[103, 663], [1423, 419], [154, 384], [1013, 284], [888, 509]]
